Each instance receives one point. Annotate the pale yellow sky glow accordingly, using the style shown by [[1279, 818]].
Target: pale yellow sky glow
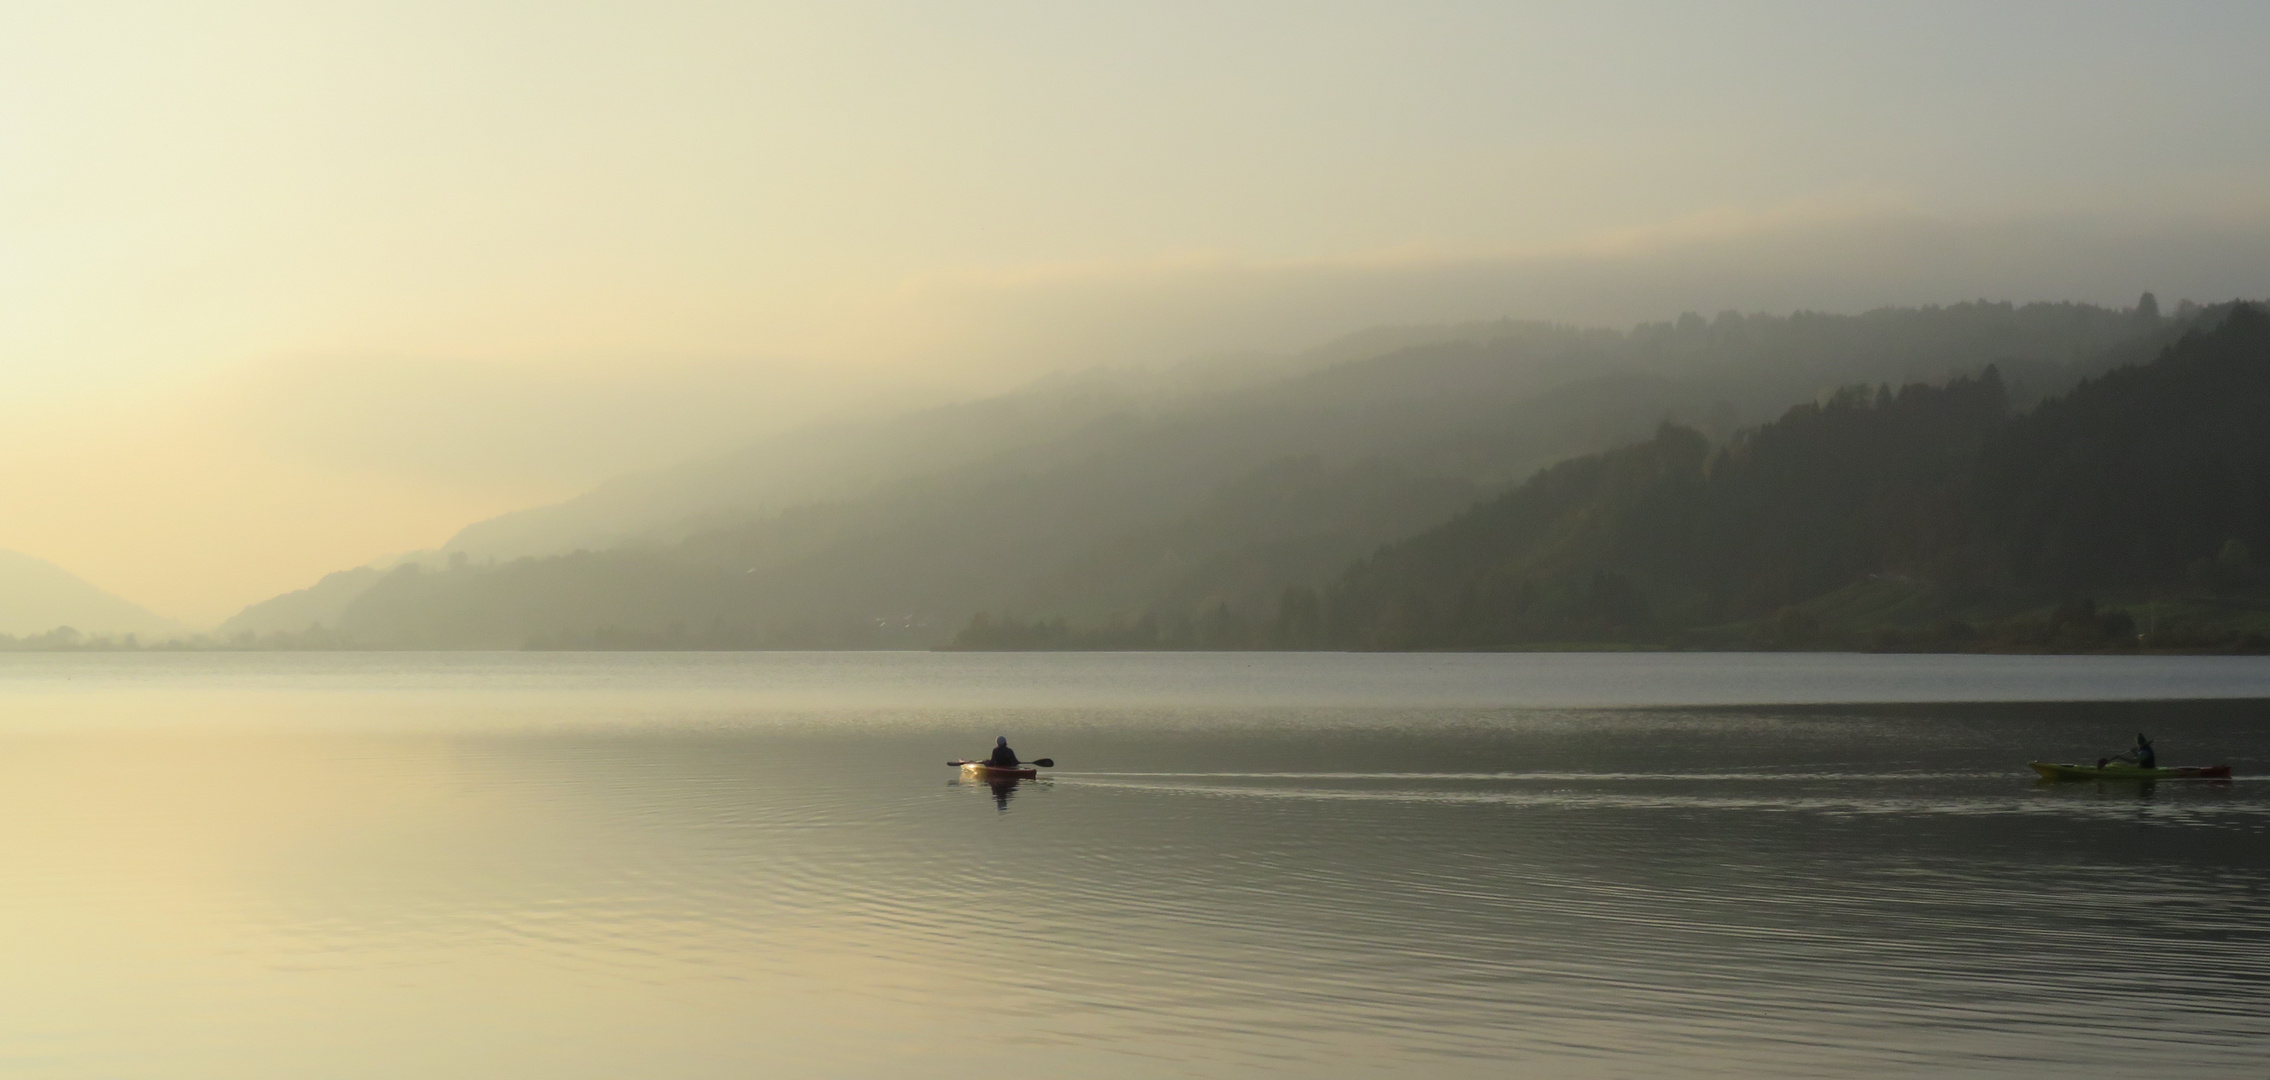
[[287, 287]]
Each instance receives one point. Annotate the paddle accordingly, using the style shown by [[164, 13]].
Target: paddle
[[1045, 763], [2125, 758]]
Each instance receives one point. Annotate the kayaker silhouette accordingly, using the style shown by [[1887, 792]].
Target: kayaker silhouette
[[2142, 756], [1005, 786]]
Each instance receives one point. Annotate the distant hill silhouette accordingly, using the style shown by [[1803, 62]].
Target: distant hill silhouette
[[318, 606], [849, 459], [1106, 500], [2124, 513], [37, 596]]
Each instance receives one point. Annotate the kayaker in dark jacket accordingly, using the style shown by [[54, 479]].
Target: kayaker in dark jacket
[[2142, 757], [1002, 755]]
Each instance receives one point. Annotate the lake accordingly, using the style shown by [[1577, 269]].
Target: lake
[[1315, 865]]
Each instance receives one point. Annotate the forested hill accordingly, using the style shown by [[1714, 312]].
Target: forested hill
[[1928, 517], [1197, 508]]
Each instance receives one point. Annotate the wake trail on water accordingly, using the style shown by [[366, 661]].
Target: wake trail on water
[[1572, 776], [2030, 800]]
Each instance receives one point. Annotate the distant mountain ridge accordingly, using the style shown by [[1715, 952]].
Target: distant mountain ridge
[[37, 596], [1904, 518], [1094, 497], [848, 459], [2122, 514], [1762, 362], [316, 607]]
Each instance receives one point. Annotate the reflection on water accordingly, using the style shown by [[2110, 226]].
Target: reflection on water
[[1002, 790], [1241, 888]]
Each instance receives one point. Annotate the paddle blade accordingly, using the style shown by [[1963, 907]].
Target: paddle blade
[[1045, 763]]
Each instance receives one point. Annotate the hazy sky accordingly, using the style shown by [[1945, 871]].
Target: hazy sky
[[284, 287]]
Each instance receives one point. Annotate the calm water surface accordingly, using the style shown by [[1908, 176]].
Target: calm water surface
[[391, 865]]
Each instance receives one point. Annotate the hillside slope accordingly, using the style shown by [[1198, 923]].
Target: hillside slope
[[37, 596], [1872, 516], [849, 459], [1755, 366], [1118, 505]]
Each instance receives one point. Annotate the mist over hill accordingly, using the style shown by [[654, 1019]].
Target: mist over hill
[[844, 460], [37, 597], [317, 607], [1117, 496], [2122, 514]]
